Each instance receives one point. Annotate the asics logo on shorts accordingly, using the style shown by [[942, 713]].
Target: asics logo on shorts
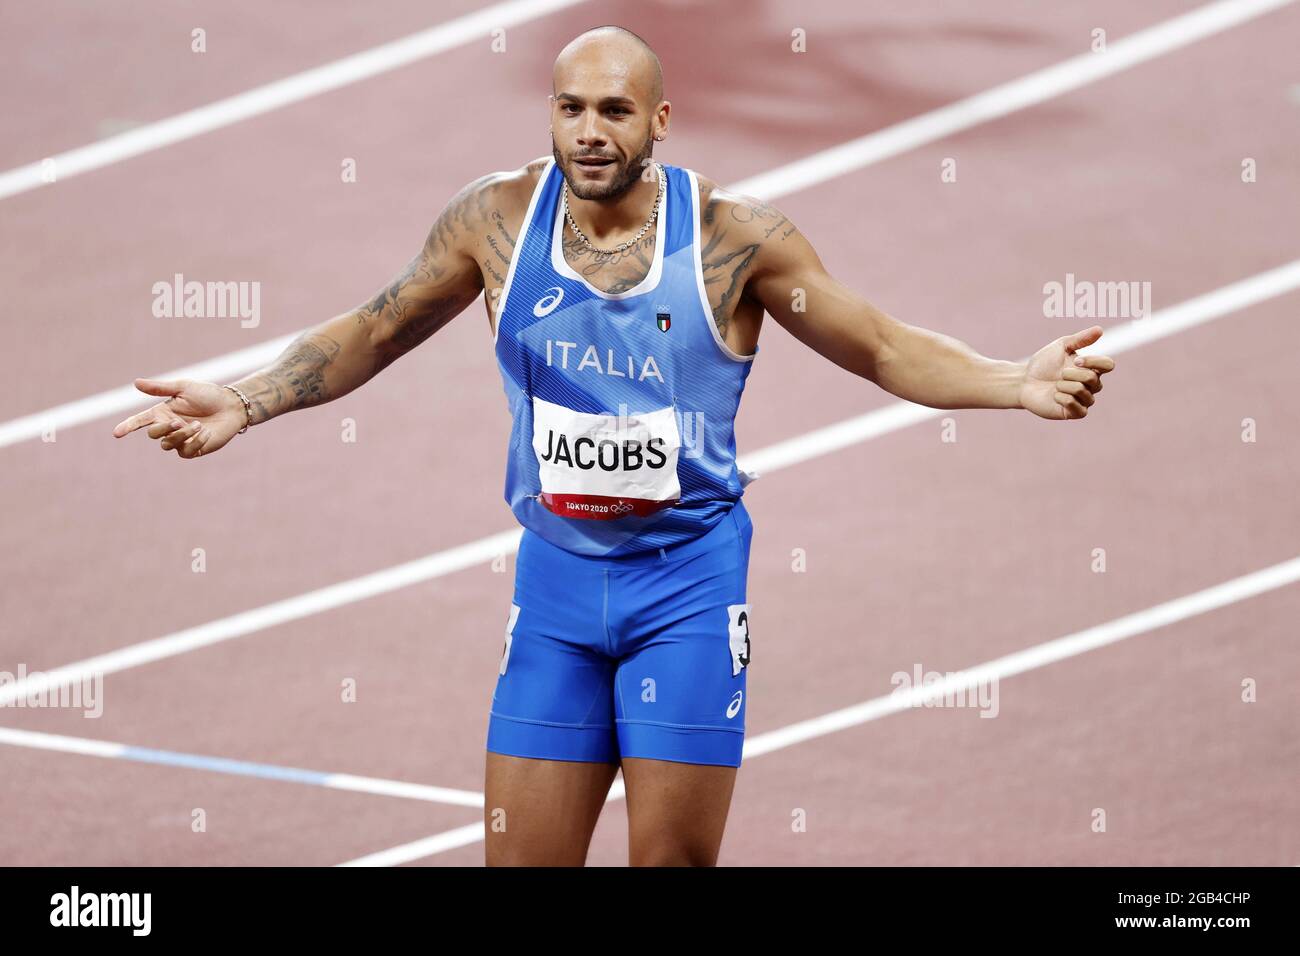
[[549, 302], [734, 707]]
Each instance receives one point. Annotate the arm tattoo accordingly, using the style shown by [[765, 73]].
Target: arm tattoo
[[755, 210], [501, 256], [426, 296], [296, 380], [730, 251]]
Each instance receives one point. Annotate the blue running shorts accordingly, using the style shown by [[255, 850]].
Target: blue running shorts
[[636, 656]]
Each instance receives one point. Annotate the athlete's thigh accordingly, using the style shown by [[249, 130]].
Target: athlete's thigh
[[679, 688], [681, 708], [680, 701], [676, 812], [542, 812], [552, 749], [554, 695]]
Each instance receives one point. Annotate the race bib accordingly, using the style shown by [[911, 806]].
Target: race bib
[[606, 466]]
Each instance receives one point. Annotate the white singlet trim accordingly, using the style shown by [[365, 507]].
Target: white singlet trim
[[699, 278]]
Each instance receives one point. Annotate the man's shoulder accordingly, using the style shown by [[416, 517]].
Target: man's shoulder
[[496, 198], [744, 219], [509, 188]]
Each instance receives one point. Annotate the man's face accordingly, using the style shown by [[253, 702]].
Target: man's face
[[602, 138]]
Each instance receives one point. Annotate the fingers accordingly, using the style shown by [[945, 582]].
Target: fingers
[[1077, 391], [188, 441], [149, 416], [158, 415], [126, 426], [1101, 363], [155, 386], [179, 436], [186, 438], [1081, 340], [193, 447], [164, 427], [1087, 376], [1074, 399], [1070, 406]]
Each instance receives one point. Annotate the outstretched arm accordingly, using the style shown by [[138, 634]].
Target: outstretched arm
[[914, 363], [337, 356], [334, 357]]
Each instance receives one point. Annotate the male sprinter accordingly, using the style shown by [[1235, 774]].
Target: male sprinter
[[624, 297]]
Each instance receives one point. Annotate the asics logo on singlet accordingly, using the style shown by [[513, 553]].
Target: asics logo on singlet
[[734, 707], [549, 302]]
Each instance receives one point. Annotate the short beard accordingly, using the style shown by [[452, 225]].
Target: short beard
[[619, 184]]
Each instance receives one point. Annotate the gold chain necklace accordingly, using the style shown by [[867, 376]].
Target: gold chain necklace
[[654, 214]]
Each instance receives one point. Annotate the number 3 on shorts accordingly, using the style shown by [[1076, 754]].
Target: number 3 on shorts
[[738, 635], [510, 630]]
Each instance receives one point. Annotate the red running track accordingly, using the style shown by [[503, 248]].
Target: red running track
[[919, 551]]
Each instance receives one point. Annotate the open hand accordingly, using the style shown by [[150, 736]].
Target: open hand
[[197, 418]]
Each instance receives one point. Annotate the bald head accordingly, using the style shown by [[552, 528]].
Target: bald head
[[607, 110], [614, 55]]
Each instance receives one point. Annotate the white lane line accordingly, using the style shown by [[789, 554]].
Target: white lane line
[[838, 160], [400, 788], [430, 846], [476, 26], [1029, 90], [68, 745], [379, 786], [1121, 338], [783, 454], [1031, 658], [1040, 655], [427, 568], [120, 399]]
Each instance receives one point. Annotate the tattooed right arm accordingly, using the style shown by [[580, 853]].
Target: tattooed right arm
[[333, 358]]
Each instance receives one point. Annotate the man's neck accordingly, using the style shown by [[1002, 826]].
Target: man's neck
[[616, 220]]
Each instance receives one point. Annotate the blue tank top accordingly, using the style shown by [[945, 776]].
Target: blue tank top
[[623, 403]]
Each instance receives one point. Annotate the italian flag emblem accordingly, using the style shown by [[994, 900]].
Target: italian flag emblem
[[664, 321]]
